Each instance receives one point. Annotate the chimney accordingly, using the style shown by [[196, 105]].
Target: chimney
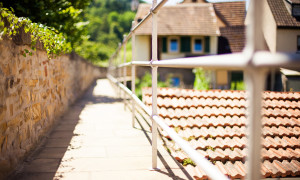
[[134, 5]]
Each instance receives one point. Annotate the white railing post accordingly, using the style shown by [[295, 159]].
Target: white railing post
[[255, 79], [154, 87], [119, 71], [133, 75], [124, 70]]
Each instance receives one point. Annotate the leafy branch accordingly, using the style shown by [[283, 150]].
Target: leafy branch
[[53, 42]]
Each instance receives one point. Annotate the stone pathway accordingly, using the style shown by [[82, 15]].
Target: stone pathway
[[95, 140]]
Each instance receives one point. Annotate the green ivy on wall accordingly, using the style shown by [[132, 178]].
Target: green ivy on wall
[[53, 42]]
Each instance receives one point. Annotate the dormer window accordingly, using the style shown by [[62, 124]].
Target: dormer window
[[296, 10]]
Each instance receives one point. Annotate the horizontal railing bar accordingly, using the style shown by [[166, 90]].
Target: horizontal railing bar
[[228, 61], [212, 171], [124, 64], [137, 100], [267, 59]]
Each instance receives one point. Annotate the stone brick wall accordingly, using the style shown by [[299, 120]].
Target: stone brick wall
[[34, 92]]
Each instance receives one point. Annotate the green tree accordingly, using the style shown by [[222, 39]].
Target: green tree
[[66, 16]]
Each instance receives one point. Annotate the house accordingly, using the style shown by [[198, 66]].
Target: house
[[184, 30], [281, 32], [214, 123], [194, 28], [230, 20]]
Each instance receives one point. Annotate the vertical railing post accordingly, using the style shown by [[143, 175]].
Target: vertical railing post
[[119, 71], [124, 69], [154, 87], [255, 79], [133, 74]]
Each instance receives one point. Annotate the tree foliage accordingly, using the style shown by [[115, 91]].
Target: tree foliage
[[53, 42], [108, 20], [66, 16], [92, 27]]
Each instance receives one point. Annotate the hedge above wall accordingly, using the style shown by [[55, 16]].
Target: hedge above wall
[[52, 41]]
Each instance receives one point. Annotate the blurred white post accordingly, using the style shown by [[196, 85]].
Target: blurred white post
[[119, 71], [255, 79], [133, 75], [154, 87], [124, 70]]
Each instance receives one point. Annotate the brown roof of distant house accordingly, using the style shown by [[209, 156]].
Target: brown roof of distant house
[[231, 13], [214, 123], [281, 15], [232, 39], [295, 1], [182, 19]]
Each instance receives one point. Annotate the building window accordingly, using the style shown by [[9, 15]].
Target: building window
[[173, 45], [197, 45], [298, 43]]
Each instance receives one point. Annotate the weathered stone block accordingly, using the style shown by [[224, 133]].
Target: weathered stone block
[[11, 109], [31, 82], [27, 114], [25, 96], [36, 112], [2, 112], [5, 69], [15, 122], [3, 128]]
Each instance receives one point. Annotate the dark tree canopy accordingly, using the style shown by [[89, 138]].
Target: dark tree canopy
[[93, 27], [65, 16]]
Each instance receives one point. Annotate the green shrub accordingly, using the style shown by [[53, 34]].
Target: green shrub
[[146, 81], [201, 81], [237, 85]]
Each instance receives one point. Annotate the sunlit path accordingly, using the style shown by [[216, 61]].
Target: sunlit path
[[95, 140]]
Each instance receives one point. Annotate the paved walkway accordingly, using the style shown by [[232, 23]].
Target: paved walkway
[[95, 140]]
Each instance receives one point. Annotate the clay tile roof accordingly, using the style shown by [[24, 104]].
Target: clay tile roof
[[231, 13], [281, 15], [214, 123], [182, 19], [295, 1], [233, 39]]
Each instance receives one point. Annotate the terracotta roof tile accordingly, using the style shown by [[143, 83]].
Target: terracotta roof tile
[[214, 123], [183, 19], [231, 13], [232, 39]]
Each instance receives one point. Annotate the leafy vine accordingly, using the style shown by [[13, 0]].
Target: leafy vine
[[53, 42]]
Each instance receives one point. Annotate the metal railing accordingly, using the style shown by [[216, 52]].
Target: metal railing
[[253, 61]]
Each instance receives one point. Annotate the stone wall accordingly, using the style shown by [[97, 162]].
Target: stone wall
[[34, 92]]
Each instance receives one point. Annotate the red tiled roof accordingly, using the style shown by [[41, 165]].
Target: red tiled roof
[[232, 36], [231, 13], [214, 122], [182, 19], [281, 15]]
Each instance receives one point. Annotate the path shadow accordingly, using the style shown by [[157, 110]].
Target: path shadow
[[170, 173], [43, 162]]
